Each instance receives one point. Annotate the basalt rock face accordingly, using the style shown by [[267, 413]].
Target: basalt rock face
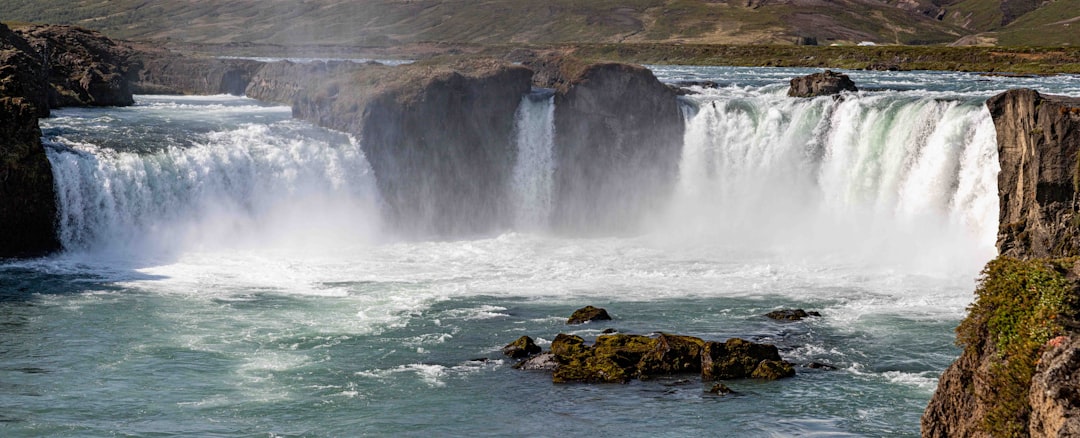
[[821, 84], [27, 206], [618, 138], [84, 67], [281, 82], [1038, 144], [163, 72], [438, 136]]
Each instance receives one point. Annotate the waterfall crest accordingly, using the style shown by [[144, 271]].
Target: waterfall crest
[[878, 172]]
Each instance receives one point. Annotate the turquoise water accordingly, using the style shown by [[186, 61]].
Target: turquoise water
[[228, 274]]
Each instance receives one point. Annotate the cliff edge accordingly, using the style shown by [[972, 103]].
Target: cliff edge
[[1017, 375]]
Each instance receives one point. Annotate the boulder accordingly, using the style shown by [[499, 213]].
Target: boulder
[[588, 314], [821, 84], [790, 314], [521, 348], [739, 359], [620, 358], [671, 354], [720, 389], [1038, 147]]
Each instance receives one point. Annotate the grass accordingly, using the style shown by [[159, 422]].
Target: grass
[[1017, 308]]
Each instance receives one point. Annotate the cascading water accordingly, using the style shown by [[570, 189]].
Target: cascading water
[[870, 174], [261, 318], [283, 182], [534, 170]]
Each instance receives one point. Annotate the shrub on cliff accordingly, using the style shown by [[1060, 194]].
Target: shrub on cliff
[[1017, 310]]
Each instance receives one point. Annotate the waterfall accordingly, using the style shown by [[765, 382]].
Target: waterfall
[[876, 173], [534, 169], [284, 183]]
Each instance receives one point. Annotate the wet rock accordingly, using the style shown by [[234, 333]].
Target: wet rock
[[542, 362], [588, 314], [521, 348], [821, 84], [739, 359], [791, 314], [566, 345], [819, 366], [671, 354], [609, 331], [720, 389], [611, 359]]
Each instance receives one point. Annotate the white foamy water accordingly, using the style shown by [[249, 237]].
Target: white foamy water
[[227, 274]]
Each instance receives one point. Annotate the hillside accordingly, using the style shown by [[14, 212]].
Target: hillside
[[389, 22]]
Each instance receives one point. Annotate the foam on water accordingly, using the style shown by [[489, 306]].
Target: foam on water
[[235, 257]]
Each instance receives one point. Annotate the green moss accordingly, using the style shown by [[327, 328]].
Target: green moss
[[1016, 312]]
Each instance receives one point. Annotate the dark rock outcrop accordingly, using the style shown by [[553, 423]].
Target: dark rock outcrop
[[521, 348], [620, 358], [437, 136], [821, 84], [27, 206], [791, 314], [84, 68], [1038, 144], [618, 139], [22, 74], [588, 314], [739, 359]]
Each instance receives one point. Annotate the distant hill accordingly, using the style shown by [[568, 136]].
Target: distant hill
[[388, 22]]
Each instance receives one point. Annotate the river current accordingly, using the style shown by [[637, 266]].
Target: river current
[[226, 272]]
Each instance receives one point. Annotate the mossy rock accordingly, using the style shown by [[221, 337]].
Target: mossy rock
[[521, 348], [773, 370], [721, 389], [737, 359], [567, 346], [587, 314], [672, 354]]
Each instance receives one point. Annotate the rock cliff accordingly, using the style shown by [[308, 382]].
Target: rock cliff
[[1017, 373], [1038, 142], [43, 67], [438, 136], [618, 139], [84, 68], [27, 206], [162, 72]]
